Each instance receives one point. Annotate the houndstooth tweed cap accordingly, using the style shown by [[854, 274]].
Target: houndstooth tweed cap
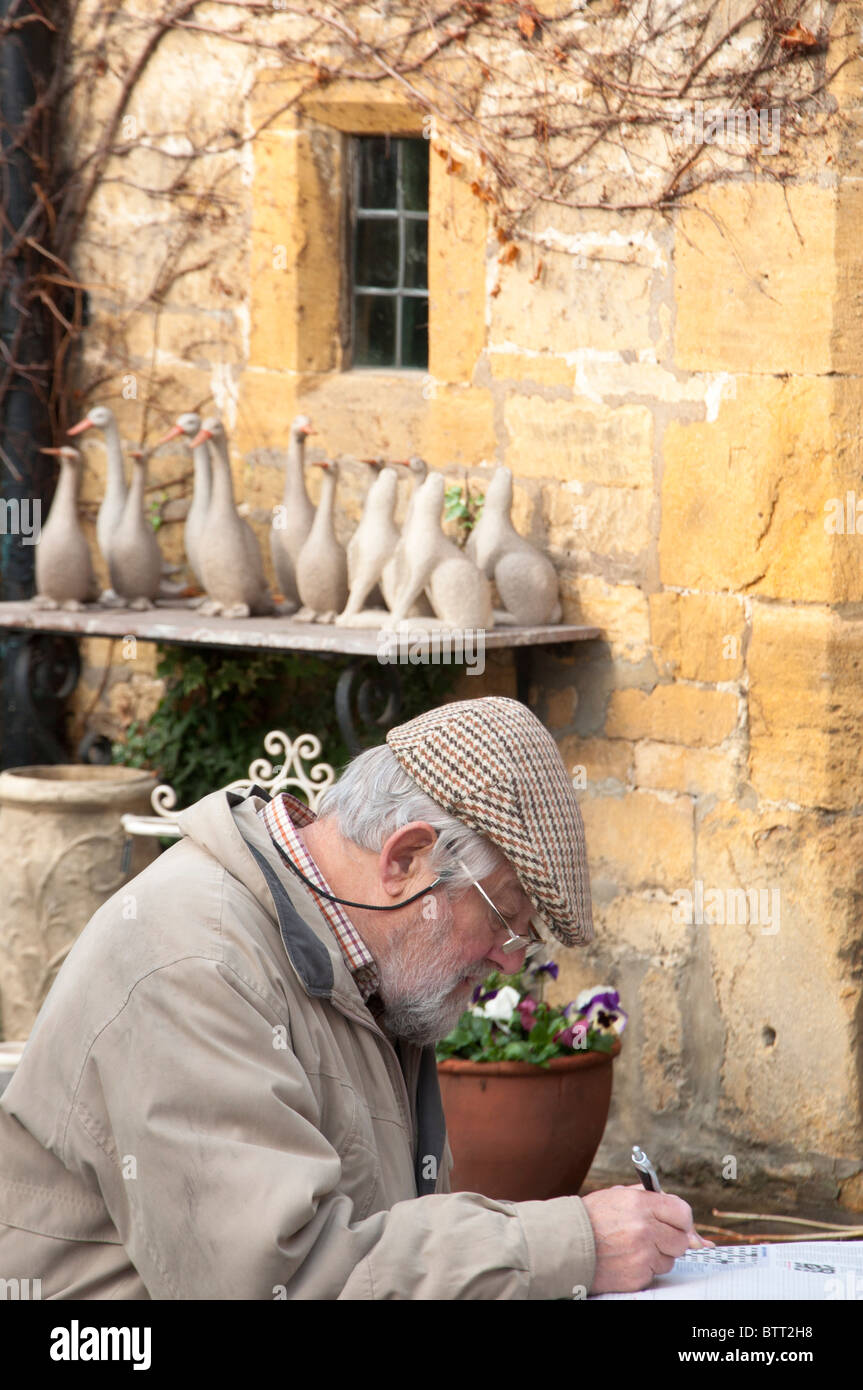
[[495, 767]]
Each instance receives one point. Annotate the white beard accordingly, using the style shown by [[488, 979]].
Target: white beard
[[419, 970]]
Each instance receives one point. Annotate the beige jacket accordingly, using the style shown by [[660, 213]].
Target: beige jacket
[[206, 1109]]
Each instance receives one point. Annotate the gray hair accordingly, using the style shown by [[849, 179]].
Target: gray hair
[[375, 797]]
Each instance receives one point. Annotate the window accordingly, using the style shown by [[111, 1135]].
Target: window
[[389, 238]]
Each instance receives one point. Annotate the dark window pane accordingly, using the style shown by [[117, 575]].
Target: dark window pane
[[375, 341], [416, 254], [415, 175], [377, 187], [377, 252], [415, 332]]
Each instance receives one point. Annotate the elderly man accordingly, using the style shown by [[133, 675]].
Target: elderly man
[[232, 1094]]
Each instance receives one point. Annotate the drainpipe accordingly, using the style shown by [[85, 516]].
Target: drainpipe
[[34, 666]]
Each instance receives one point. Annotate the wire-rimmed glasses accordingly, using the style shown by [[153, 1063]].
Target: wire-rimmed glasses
[[513, 942]]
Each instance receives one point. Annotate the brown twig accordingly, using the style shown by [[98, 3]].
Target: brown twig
[[535, 144], [789, 1220]]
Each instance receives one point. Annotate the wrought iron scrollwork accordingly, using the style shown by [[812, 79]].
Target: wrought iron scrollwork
[[376, 690], [41, 671]]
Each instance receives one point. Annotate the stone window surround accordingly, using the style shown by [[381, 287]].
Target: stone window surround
[[299, 313]]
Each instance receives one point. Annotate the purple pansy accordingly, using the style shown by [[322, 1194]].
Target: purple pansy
[[600, 1009], [548, 969]]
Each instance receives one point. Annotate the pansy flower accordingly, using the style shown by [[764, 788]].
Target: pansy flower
[[548, 969], [600, 1009], [527, 1009], [574, 1036], [500, 1007]]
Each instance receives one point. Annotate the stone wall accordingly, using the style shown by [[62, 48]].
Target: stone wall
[[680, 399]]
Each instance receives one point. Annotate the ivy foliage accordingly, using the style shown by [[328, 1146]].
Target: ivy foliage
[[218, 706]]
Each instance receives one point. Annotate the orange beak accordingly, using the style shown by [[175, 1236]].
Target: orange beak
[[50, 451], [172, 434], [85, 424], [199, 438]]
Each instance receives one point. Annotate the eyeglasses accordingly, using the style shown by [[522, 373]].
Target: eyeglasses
[[513, 942]]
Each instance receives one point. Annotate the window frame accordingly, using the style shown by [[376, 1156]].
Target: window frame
[[402, 215]]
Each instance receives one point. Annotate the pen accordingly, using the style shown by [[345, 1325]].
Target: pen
[[647, 1173], [646, 1170]]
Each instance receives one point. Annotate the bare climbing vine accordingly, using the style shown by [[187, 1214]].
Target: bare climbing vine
[[598, 106]]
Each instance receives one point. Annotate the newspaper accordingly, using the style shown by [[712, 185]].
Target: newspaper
[[817, 1270]]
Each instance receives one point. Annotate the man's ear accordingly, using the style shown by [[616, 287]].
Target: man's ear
[[403, 860]]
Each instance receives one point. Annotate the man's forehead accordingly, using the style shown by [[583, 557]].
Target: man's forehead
[[505, 880]]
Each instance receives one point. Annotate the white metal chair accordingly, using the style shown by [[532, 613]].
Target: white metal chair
[[274, 777]]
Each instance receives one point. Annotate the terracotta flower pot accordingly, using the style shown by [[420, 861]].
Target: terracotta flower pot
[[521, 1132]]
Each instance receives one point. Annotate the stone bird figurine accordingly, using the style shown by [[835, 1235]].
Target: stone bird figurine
[[64, 570], [134, 557], [322, 567], [231, 566], [526, 580], [395, 573], [189, 425], [372, 545], [293, 520], [101, 417], [459, 592]]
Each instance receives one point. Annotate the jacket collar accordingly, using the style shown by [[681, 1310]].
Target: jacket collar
[[227, 825], [308, 954]]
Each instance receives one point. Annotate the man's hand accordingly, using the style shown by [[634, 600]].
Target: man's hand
[[638, 1234]]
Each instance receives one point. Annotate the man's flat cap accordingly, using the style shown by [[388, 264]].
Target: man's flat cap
[[492, 765]]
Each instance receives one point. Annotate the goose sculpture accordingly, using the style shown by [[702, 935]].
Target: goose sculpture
[[525, 579], [230, 558], [101, 417], [293, 521], [395, 573], [371, 546], [322, 567], [64, 570], [134, 557], [459, 592], [189, 426]]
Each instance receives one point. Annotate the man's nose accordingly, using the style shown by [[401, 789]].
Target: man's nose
[[508, 962]]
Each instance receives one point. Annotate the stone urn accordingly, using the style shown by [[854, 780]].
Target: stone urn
[[521, 1132], [61, 857]]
